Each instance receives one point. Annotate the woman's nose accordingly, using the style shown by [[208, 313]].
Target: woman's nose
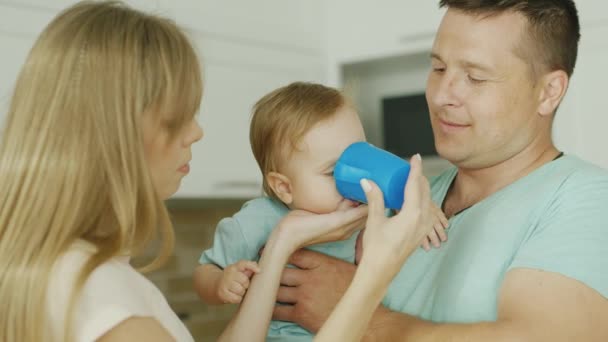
[[195, 133]]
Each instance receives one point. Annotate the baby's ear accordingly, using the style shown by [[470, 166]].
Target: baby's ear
[[281, 186]]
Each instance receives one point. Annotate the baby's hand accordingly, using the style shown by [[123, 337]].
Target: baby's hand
[[437, 235], [235, 281]]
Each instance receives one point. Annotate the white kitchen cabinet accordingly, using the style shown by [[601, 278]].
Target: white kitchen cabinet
[[359, 30], [365, 30], [277, 24], [20, 24], [247, 49], [236, 77], [57, 5]]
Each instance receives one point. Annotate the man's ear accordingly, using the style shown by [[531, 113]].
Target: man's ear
[[554, 88], [281, 185]]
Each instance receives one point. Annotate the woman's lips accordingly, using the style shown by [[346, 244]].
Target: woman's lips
[[184, 169]]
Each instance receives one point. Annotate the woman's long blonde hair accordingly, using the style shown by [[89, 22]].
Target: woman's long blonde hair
[[72, 163]]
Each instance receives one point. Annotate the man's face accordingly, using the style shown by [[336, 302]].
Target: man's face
[[482, 97]]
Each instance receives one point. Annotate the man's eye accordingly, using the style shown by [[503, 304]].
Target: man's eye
[[475, 79]]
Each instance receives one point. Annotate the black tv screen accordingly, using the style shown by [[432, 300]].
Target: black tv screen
[[407, 127]]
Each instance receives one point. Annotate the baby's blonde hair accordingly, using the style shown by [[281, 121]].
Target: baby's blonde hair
[[282, 118], [71, 155]]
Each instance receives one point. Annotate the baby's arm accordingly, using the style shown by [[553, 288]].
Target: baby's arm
[[435, 236], [216, 286]]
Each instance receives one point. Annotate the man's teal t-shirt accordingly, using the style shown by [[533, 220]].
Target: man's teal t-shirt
[[241, 237], [552, 219]]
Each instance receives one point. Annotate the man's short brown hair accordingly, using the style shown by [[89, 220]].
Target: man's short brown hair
[[282, 118], [553, 26]]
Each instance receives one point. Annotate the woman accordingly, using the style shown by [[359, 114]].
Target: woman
[[98, 134]]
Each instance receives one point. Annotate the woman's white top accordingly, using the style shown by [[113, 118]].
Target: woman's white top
[[114, 292]]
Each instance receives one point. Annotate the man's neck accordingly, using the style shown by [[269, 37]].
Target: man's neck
[[473, 185]]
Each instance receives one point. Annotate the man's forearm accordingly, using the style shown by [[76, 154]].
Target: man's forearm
[[387, 325], [357, 305]]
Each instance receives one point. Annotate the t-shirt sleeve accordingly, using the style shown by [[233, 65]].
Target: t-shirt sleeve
[[571, 237], [229, 245], [241, 236]]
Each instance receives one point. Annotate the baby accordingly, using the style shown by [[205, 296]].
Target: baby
[[297, 134]]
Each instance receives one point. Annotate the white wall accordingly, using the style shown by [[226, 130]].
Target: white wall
[[581, 125], [20, 23]]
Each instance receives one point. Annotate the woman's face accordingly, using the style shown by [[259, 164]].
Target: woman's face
[[169, 157]]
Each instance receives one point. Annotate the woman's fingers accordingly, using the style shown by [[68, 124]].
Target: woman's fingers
[[375, 203], [301, 228], [414, 188], [339, 225]]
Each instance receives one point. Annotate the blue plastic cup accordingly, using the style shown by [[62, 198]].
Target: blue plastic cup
[[363, 160]]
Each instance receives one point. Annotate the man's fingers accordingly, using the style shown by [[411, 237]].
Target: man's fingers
[[283, 313], [305, 259], [287, 294], [291, 277]]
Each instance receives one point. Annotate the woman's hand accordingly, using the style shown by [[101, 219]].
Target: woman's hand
[[302, 228], [297, 229], [386, 244], [389, 241]]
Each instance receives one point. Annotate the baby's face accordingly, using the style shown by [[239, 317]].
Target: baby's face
[[311, 167]]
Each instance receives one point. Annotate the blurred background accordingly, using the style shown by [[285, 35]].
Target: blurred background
[[377, 51]]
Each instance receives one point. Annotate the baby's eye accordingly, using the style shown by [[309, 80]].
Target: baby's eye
[[330, 173]]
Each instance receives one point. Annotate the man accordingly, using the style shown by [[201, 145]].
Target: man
[[527, 253]]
